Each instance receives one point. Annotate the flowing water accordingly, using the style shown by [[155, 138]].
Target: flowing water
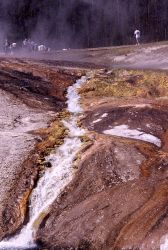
[[55, 179]]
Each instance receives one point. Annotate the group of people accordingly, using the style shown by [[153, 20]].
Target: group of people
[[30, 46], [27, 46]]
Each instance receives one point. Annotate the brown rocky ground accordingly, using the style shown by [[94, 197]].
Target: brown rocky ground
[[31, 97], [119, 195], [118, 198]]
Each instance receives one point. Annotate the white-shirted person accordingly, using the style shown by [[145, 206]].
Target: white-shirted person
[[137, 35]]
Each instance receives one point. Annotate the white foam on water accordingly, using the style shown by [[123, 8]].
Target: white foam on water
[[55, 178], [73, 97], [125, 131]]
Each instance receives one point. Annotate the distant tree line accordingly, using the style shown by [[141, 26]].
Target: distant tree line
[[84, 23]]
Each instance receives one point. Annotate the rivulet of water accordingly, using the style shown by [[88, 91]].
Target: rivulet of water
[[56, 178]]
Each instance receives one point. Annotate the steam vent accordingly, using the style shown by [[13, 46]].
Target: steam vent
[[83, 125]]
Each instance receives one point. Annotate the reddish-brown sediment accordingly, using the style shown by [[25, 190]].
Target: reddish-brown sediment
[[119, 196], [38, 79], [30, 127], [111, 203]]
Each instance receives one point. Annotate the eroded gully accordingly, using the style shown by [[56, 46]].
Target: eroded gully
[[55, 179]]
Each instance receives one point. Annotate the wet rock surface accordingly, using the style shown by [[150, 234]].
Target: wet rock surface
[[113, 202], [119, 194], [151, 121], [29, 104], [118, 198], [34, 79]]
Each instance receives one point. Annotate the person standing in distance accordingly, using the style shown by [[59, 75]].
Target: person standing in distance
[[137, 35]]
